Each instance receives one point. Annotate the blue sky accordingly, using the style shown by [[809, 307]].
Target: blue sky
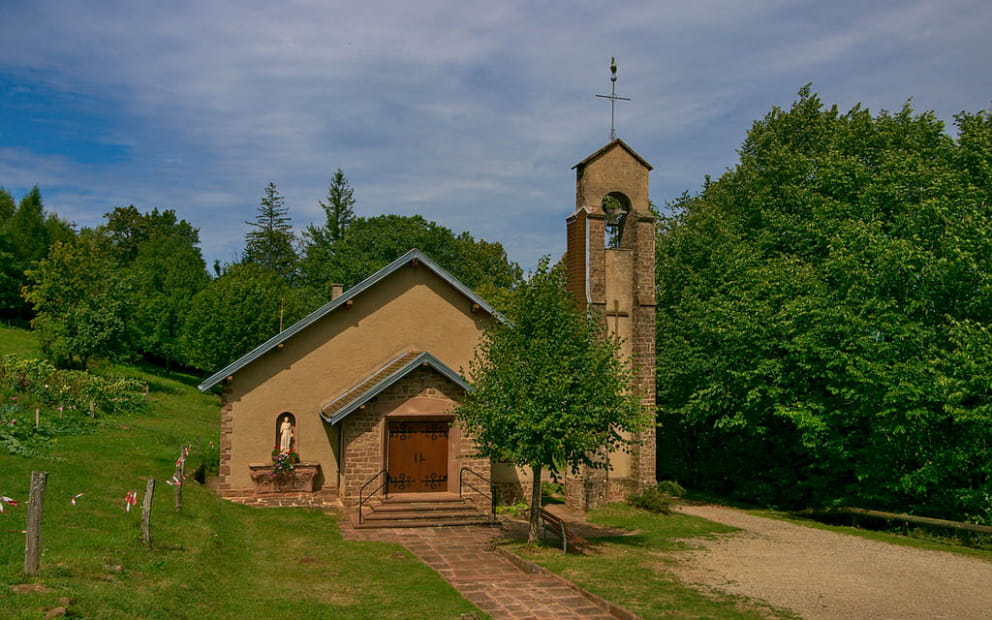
[[469, 113]]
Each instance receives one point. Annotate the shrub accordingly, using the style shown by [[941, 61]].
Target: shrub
[[41, 384], [552, 492], [61, 397], [518, 510], [671, 487], [656, 499]]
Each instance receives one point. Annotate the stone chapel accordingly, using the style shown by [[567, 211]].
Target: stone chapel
[[362, 392]]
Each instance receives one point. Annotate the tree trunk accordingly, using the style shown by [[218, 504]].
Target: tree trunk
[[535, 505]]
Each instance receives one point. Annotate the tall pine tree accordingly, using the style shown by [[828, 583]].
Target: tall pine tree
[[270, 243], [318, 241], [338, 208]]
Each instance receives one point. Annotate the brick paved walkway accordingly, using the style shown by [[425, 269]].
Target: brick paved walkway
[[464, 556]]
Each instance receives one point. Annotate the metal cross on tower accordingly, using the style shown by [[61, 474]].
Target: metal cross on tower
[[613, 97]]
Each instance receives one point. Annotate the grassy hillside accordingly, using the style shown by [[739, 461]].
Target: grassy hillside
[[215, 559]]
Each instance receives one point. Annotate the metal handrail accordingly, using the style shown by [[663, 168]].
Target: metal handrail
[[491, 495], [361, 492]]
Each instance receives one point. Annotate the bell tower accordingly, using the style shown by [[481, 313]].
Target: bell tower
[[610, 265]]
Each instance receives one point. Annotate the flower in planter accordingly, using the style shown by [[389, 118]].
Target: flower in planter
[[282, 463]]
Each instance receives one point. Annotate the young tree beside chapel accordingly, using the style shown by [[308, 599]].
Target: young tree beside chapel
[[550, 391]]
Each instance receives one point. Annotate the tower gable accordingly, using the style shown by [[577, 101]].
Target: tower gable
[[614, 169]]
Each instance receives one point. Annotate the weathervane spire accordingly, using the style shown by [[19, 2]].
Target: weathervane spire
[[613, 98]]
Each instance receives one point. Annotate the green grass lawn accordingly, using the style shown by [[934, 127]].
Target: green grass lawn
[[20, 342], [634, 570], [215, 559]]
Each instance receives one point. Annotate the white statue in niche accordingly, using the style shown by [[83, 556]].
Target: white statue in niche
[[285, 434]]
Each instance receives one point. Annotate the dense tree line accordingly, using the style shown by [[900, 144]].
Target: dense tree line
[[138, 285], [824, 316], [824, 330], [27, 230]]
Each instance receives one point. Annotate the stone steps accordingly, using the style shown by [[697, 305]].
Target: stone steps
[[421, 510]]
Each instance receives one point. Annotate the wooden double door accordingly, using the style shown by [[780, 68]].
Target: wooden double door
[[417, 457]]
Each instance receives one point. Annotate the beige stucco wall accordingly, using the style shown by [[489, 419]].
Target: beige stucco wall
[[620, 297], [412, 309]]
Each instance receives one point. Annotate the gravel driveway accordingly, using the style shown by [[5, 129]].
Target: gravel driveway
[[820, 574]]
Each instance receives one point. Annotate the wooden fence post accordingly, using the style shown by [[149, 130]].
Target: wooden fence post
[[146, 512], [32, 543], [180, 474]]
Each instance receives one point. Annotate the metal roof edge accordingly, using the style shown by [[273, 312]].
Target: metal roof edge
[[379, 387], [372, 280]]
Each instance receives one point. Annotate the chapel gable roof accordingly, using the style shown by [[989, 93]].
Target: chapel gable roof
[[373, 385], [616, 142], [414, 257]]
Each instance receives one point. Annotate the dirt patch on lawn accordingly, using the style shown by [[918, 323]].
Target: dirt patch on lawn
[[825, 575]]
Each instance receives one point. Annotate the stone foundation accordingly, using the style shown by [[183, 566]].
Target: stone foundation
[[321, 500], [305, 478]]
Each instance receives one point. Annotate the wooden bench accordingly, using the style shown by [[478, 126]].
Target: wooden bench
[[569, 540]]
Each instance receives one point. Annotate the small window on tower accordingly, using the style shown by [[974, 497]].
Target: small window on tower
[[616, 206]]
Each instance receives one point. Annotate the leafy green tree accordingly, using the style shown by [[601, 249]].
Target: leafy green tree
[[817, 304], [7, 205], [82, 302], [241, 309], [168, 272], [10, 285], [26, 228], [128, 229], [271, 243], [161, 253], [25, 236], [372, 243], [550, 392]]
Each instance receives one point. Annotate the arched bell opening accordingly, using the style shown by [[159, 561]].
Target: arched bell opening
[[616, 206]]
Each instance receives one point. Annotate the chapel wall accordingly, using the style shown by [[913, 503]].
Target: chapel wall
[[412, 309]]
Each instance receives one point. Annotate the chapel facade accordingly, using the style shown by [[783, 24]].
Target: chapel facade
[[363, 390]]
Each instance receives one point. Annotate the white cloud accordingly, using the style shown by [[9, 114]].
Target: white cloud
[[470, 113]]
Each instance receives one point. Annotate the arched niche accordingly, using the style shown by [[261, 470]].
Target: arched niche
[[616, 206], [286, 439]]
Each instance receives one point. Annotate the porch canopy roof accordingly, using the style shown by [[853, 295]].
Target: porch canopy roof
[[370, 387]]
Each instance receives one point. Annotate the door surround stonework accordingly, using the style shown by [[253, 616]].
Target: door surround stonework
[[422, 395]]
